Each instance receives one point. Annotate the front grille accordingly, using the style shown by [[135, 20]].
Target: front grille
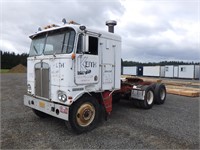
[[42, 80], [38, 82]]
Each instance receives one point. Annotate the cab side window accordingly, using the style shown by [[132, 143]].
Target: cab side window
[[93, 45], [80, 44]]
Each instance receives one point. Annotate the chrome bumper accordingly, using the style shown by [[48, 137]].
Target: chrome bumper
[[56, 110]]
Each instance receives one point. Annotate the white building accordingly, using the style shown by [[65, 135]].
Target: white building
[[186, 71], [162, 71], [153, 71], [197, 72], [176, 69], [169, 71], [132, 70]]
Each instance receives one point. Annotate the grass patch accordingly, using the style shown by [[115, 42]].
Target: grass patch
[[4, 70]]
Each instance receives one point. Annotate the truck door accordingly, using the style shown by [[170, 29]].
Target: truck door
[[87, 61]]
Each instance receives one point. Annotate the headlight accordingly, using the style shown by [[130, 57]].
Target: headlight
[[62, 97], [29, 89]]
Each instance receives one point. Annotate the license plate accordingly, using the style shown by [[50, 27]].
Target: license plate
[[137, 94], [42, 104]]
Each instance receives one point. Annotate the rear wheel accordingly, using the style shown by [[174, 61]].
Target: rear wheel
[[148, 101], [160, 93], [84, 114], [40, 114], [136, 103], [153, 85]]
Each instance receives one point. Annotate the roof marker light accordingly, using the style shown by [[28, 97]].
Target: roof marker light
[[73, 22]]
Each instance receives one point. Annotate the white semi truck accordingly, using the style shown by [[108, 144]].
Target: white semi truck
[[74, 73]]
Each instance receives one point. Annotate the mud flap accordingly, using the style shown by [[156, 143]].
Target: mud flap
[[107, 101]]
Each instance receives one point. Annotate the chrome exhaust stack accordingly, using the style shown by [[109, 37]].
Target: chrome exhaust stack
[[111, 24]]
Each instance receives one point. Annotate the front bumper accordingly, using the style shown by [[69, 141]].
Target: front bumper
[[56, 110]]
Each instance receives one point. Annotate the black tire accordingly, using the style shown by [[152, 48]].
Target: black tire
[[148, 101], [84, 114], [136, 103], [160, 93], [153, 85], [69, 127], [40, 114]]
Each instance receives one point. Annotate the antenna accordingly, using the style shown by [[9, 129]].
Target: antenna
[[64, 21]]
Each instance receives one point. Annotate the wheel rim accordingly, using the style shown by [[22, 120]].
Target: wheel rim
[[162, 94], [85, 114], [150, 97]]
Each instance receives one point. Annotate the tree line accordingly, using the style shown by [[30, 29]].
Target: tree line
[[162, 63], [10, 59]]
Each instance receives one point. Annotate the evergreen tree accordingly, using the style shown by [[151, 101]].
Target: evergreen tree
[[10, 59]]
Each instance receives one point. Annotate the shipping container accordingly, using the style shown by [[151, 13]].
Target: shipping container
[[169, 71], [153, 71], [130, 70]]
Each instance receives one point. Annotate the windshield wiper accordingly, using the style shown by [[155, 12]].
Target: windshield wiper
[[35, 49]]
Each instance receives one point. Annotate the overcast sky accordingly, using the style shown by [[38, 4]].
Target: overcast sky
[[151, 30]]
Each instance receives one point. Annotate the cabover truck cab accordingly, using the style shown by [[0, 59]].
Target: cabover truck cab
[[74, 73]]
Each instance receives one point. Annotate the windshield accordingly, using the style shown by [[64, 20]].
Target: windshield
[[53, 42], [37, 45]]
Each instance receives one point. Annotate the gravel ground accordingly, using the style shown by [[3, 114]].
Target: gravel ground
[[174, 125]]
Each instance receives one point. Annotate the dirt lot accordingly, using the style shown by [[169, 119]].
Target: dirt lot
[[174, 125]]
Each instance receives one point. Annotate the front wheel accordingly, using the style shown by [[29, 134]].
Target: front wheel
[[84, 114]]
